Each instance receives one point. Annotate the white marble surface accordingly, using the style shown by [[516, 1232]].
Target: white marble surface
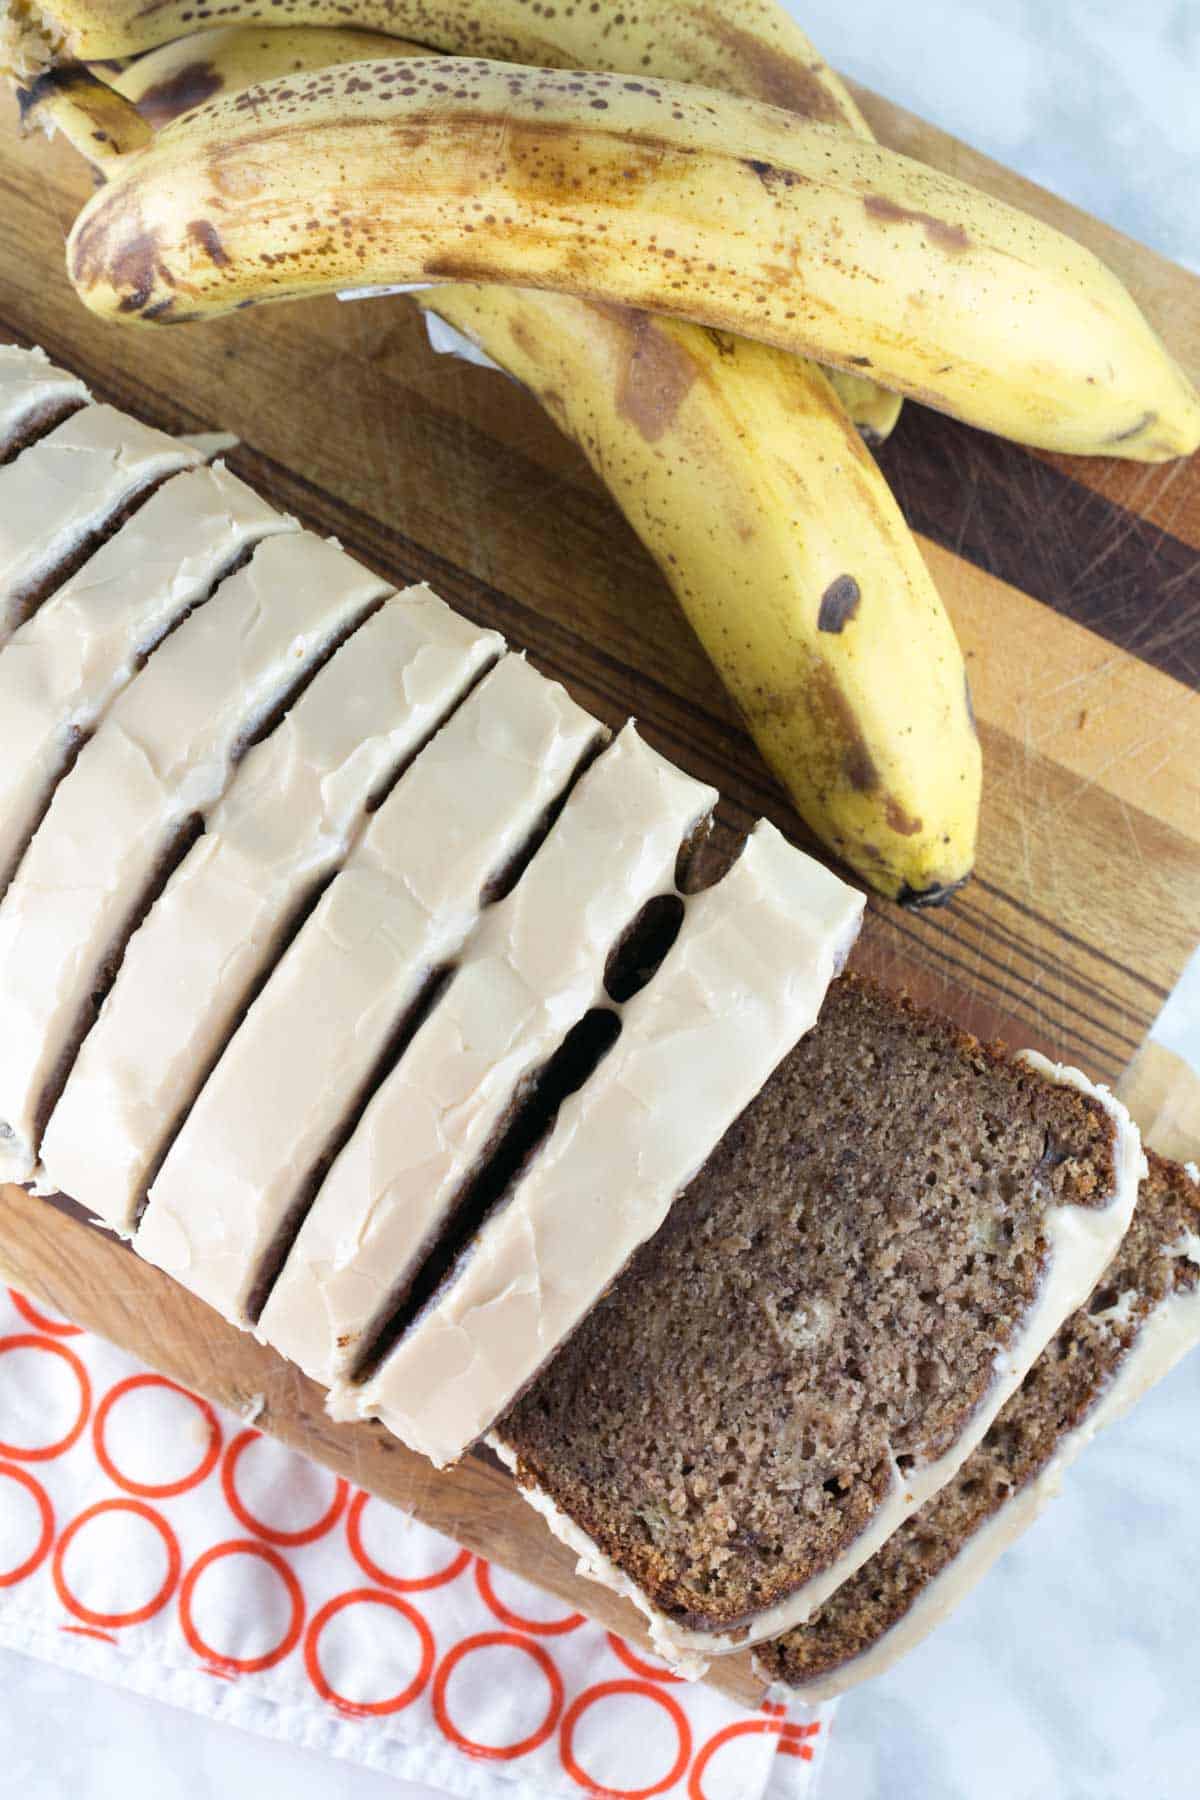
[[1097, 99], [1072, 1674]]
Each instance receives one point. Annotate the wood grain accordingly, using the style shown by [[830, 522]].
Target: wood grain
[[1073, 586]]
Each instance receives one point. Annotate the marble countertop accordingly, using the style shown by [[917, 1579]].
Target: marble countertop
[[1096, 99], [1070, 1674]]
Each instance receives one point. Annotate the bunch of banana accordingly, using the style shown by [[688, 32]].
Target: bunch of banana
[[676, 200], [866, 722], [805, 586], [782, 542], [751, 48], [166, 82]]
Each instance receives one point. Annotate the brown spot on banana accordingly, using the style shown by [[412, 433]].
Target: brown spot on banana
[[654, 376], [1135, 430], [829, 703], [204, 234], [785, 80], [900, 821], [938, 231], [772, 177], [191, 86], [839, 603], [112, 247]]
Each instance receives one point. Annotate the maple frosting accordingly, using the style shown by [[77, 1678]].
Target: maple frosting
[[534, 968], [67, 485], [285, 821], [743, 981], [163, 753], [62, 668], [400, 909], [32, 389]]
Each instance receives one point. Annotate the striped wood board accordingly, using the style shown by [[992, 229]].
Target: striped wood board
[[1074, 585]]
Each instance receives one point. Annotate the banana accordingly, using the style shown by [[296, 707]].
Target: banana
[[747, 46], [169, 81], [750, 47], [875, 410], [676, 200], [93, 119], [165, 83], [796, 571]]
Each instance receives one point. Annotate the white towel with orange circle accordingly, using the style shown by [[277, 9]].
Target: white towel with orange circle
[[157, 1543]]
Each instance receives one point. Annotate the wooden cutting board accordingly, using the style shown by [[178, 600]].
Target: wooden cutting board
[[1074, 585]]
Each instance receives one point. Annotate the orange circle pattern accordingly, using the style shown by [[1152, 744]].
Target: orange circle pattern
[[602, 1691], [40, 1320], [506, 1616], [625, 1653], [138, 1614], [365, 1709], [244, 1665], [22, 1477], [484, 1640], [165, 1490], [399, 1584], [243, 1515], [28, 1340], [218, 1458]]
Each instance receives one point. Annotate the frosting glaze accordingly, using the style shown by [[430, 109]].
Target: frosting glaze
[[163, 753], [287, 819], [1081, 1242], [1167, 1333], [744, 979], [534, 968], [67, 485], [32, 389], [62, 668], [402, 907]]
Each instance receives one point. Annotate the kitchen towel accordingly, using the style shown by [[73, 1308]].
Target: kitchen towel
[[158, 1543]]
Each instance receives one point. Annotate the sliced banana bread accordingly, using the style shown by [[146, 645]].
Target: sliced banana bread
[[1143, 1316], [828, 1321]]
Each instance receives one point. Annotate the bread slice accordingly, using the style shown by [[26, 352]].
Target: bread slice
[[743, 980], [831, 1317], [1140, 1319], [350, 987], [86, 642], [34, 397], [66, 489], [163, 753], [531, 974], [296, 803]]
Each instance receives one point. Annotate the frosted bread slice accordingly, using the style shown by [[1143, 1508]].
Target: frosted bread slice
[[68, 486], [833, 1314], [1141, 1318], [533, 970], [161, 756], [243, 1169], [63, 667], [285, 822], [744, 979], [33, 395]]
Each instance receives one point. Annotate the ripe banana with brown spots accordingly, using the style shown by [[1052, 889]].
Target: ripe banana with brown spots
[[170, 80], [675, 200], [797, 571], [745, 46]]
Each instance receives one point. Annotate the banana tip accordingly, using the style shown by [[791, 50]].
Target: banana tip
[[937, 894]]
